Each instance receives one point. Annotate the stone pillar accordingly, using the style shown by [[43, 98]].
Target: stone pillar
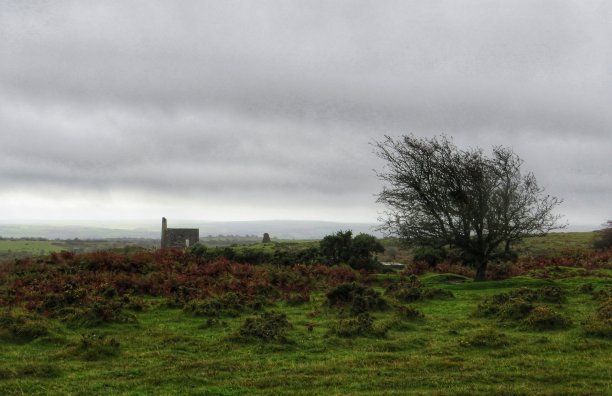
[[164, 231]]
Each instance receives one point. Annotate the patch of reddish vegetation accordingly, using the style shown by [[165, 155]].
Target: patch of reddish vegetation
[[588, 260], [78, 279]]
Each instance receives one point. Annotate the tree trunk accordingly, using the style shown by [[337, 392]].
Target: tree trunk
[[481, 269]]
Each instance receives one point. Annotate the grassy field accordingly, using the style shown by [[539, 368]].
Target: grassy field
[[168, 351], [556, 242], [148, 322], [30, 247]]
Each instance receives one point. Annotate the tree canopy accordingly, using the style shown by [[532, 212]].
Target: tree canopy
[[438, 195], [358, 252]]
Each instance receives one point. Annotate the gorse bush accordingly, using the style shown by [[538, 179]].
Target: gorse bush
[[518, 303], [523, 305], [357, 298], [267, 327]]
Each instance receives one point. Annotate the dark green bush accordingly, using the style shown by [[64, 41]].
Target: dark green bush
[[357, 298], [268, 326], [428, 254]]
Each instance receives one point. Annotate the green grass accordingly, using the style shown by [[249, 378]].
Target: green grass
[[167, 352], [556, 242], [30, 247]]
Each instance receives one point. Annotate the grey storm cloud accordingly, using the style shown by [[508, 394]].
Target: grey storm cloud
[[268, 99]]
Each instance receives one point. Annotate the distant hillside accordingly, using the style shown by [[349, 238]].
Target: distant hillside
[[283, 229]]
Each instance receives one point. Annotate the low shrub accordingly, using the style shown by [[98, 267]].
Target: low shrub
[[600, 323], [95, 347], [99, 311], [229, 304], [358, 298], [544, 318], [363, 325], [428, 254], [518, 304], [485, 338], [409, 313], [267, 327], [22, 327], [411, 289]]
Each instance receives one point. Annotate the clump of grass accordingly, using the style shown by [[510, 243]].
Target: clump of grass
[[31, 370], [359, 299], [22, 327], [603, 294], [267, 327], [211, 323], [97, 312], [544, 318], [228, 304], [295, 299], [518, 304], [485, 338], [600, 323], [409, 313], [361, 326], [95, 347], [411, 290]]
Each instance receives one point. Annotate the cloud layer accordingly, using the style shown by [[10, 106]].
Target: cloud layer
[[241, 110]]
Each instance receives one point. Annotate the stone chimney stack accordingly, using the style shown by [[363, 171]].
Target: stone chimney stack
[[164, 241]]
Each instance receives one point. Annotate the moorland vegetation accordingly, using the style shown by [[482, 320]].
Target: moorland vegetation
[[188, 321]]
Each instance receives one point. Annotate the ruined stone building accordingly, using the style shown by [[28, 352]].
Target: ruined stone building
[[178, 237]]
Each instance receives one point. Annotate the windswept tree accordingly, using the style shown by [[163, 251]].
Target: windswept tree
[[439, 195]]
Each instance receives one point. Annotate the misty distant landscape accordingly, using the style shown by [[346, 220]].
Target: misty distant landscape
[[284, 197], [283, 229]]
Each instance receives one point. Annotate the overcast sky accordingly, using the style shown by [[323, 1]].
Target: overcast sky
[[242, 110]]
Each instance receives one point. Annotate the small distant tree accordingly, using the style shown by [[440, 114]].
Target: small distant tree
[[266, 238], [358, 252], [336, 248], [603, 237], [438, 195]]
